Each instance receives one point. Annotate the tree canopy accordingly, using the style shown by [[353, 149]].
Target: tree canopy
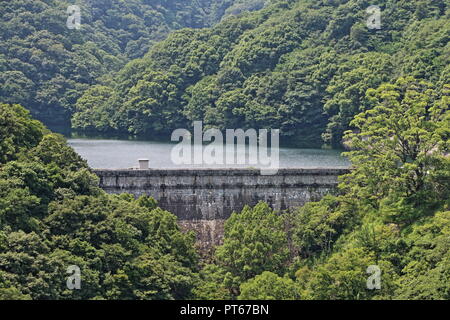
[[53, 215], [46, 66], [299, 66]]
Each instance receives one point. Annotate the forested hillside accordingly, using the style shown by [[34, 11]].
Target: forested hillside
[[53, 215], [391, 214], [301, 66], [390, 219], [311, 68], [46, 66]]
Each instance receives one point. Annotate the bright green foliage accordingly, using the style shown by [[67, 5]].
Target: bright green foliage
[[46, 66], [53, 215], [269, 286], [344, 277], [309, 68], [254, 241], [393, 203], [427, 273], [90, 109], [391, 212], [398, 145], [300, 66]]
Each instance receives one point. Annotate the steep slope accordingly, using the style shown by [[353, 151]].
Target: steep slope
[[53, 216], [301, 66], [46, 66]]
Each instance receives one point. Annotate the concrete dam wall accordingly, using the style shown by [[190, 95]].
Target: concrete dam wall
[[203, 198]]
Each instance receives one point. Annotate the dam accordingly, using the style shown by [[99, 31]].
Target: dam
[[203, 199]]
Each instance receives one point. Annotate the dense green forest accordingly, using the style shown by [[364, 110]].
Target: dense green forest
[[46, 66], [300, 66], [310, 68], [53, 215], [391, 211]]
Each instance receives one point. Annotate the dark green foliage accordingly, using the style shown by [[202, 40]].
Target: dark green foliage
[[310, 68], [391, 213], [395, 203], [46, 66], [317, 225], [300, 66], [53, 215], [17, 131]]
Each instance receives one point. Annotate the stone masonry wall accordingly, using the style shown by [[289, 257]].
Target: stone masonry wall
[[203, 198]]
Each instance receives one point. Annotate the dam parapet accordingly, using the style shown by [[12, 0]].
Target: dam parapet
[[203, 198]]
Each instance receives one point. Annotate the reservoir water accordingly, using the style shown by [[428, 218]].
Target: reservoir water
[[121, 154]]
